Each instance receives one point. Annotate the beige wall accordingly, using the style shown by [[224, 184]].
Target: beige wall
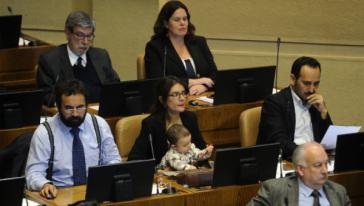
[[239, 33], [123, 27]]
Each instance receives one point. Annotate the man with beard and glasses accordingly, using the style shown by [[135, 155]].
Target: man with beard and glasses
[[76, 144], [76, 60], [310, 185], [297, 114]]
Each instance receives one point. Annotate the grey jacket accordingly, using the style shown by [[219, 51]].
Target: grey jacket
[[284, 191]]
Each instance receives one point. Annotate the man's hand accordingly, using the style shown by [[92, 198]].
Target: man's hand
[[317, 101], [48, 191]]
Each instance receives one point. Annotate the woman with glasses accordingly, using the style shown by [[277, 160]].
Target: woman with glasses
[[175, 50], [169, 109]]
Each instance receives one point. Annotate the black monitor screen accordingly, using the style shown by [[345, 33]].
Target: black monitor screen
[[244, 85], [12, 191], [240, 166], [21, 108], [123, 181], [10, 31], [349, 153], [128, 97]]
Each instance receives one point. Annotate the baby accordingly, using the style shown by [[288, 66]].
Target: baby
[[182, 154]]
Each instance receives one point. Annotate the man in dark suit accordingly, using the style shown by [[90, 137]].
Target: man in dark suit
[[309, 186], [76, 59], [297, 114]]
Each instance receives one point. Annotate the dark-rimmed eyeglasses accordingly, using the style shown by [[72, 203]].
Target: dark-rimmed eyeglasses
[[82, 36], [178, 94]]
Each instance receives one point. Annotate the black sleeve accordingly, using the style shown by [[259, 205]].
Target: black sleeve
[[110, 74], [273, 127], [46, 79], [153, 61], [210, 59]]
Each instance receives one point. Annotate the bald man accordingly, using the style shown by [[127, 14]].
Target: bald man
[[310, 185]]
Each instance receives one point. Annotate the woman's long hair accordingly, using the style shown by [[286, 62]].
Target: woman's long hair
[[160, 30]]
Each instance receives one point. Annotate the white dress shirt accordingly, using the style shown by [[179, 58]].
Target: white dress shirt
[[303, 129], [73, 57]]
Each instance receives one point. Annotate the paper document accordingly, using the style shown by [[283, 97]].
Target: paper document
[[29, 203], [329, 140], [206, 99]]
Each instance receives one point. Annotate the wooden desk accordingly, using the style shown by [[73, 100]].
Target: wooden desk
[[17, 66], [228, 195], [8, 135], [219, 125]]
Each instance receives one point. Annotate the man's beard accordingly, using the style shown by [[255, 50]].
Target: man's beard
[[303, 98], [72, 121]]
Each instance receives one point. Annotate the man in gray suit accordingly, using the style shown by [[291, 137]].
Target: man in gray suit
[[76, 60], [309, 186]]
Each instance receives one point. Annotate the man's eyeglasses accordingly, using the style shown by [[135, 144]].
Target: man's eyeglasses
[[179, 94], [82, 36], [70, 109]]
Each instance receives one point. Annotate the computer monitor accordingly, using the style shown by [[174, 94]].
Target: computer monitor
[[118, 182], [128, 97], [12, 191], [349, 153], [10, 31], [20, 108], [249, 165], [243, 85]]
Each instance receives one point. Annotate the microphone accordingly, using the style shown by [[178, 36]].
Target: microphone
[[155, 167], [151, 145], [52, 95], [280, 159], [164, 61], [277, 60], [10, 10]]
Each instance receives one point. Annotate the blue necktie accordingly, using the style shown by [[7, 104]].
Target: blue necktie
[[78, 159], [189, 69]]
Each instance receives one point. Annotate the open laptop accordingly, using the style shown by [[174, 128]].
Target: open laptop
[[349, 153], [12, 191], [128, 97], [248, 165], [244, 84], [122, 181], [10, 31]]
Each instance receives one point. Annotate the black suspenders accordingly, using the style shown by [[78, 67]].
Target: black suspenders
[[51, 141]]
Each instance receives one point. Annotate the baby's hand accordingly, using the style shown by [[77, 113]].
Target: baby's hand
[[190, 167], [206, 153]]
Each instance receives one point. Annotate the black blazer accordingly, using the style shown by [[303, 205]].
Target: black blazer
[[156, 126], [55, 62], [278, 122], [159, 49]]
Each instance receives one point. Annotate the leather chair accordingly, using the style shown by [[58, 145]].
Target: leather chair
[[140, 67], [249, 126], [14, 156], [127, 130]]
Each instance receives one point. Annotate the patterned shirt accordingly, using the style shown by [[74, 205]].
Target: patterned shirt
[[181, 161]]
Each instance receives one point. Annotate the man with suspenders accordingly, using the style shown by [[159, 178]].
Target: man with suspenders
[[68, 143]]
